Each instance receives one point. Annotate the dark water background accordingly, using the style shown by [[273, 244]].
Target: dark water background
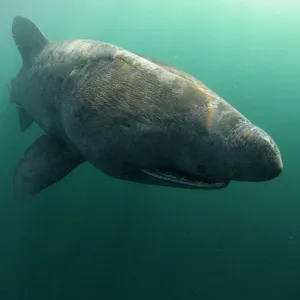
[[92, 237]]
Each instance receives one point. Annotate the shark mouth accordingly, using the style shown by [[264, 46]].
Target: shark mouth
[[183, 178]]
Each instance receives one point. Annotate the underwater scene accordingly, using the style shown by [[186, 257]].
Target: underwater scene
[[149, 150]]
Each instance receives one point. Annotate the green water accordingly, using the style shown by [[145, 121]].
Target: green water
[[92, 237]]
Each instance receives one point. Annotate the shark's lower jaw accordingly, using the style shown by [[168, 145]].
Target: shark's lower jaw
[[183, 178]]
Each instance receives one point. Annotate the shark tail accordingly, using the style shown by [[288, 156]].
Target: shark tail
[[28, 38]]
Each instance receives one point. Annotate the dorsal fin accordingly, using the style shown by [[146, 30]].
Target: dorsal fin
[[28, 38]]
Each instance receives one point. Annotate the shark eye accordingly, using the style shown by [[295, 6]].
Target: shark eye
[[201, 169]]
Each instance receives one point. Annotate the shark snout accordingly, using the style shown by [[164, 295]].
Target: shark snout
[[270, 168], [258, 158]]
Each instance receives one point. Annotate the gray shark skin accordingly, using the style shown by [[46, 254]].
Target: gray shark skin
[[132, 117]]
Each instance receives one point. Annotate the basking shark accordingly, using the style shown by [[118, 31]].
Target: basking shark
[[132, 117]]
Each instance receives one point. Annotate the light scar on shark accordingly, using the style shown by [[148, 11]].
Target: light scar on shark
[[133, 117]]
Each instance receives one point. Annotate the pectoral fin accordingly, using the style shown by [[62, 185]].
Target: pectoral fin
[[25, 119], [44, 163]]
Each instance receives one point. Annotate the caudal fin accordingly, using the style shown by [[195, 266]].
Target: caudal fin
[[28, 38]]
